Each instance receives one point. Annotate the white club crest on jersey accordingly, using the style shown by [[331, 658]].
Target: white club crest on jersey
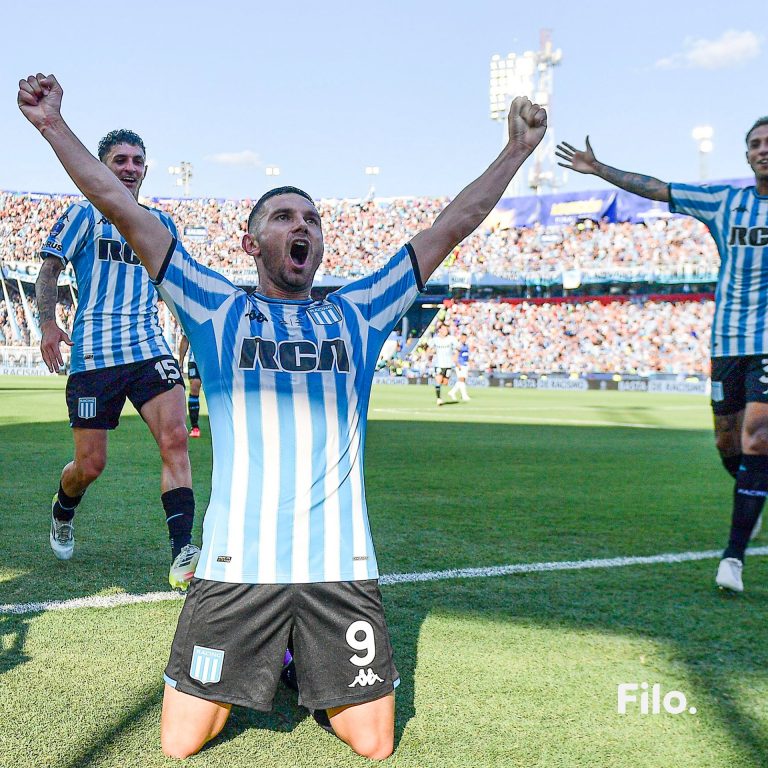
[[325, 314]]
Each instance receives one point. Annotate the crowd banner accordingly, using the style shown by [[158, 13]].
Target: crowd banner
[[653, 383], [22, 361], [565, 208]]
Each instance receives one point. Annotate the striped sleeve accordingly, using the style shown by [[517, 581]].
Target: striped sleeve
[[193, 292], [703, 202], [169, 223], [383, 297], [68, 233]]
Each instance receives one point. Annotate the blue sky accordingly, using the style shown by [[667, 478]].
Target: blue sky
[[324, 89]]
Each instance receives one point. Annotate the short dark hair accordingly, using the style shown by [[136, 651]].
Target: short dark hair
[[760, 121], [256, 210], [120, 136]]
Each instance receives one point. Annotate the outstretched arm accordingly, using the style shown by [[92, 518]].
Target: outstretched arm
[[584, 161], [464, 214], [46, 292], [39, 99]]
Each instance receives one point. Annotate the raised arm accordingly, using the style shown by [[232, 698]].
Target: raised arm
[[39, 99], [47, 293], [584, 161], [464, 214]]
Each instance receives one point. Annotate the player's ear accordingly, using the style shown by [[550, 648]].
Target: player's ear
[[251, 245]]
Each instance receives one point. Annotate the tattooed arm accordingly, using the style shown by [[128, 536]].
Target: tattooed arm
[[46, 291], [586, 162]]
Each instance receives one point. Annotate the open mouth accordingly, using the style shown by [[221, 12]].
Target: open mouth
[[299, 252], [128, 181]]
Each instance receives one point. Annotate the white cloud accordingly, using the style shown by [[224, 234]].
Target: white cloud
[[729, 50], [246, 157]]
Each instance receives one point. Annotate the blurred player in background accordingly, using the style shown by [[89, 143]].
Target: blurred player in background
[[444, 345], [738, 221], [462, 370], [195, 384], [118, 353]]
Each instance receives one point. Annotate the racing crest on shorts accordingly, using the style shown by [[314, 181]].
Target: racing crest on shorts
[[206, 664], [86, 407]]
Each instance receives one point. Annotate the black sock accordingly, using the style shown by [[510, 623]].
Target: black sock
[[64, 508], [731, 464], [748, 499], [194, 410], [179, 506], [437, 391]]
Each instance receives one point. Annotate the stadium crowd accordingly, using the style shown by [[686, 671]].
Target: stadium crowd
[[65, 313], [629, 337], [360, 235], [641, 337], [590, 336]]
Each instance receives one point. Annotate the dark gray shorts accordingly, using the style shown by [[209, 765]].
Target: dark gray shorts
[[96, 398], [737, 381], [231, 640]]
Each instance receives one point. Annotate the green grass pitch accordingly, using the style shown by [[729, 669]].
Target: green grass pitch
[[518, 670]]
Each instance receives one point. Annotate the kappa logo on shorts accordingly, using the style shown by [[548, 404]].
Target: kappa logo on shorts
[[206, 664], [717, 392], [86, 407], [369, 677]]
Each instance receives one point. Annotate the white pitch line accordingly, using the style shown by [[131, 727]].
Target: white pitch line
[[534, 420], [115, 601], [558, 565]]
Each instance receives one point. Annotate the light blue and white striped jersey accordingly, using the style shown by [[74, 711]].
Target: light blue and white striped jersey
[[737, 217], [287, 385], [116, 321]]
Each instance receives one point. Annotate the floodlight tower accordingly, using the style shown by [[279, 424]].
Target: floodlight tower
[[183, 175], [530, 74], [702, 135]]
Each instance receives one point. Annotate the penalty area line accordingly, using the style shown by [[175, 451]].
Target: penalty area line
[[390, 579]]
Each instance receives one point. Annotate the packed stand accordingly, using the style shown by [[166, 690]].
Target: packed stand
[[65, 314], [627, 337], [361, 235]]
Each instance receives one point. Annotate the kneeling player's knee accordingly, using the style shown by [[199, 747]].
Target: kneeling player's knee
[[373, 746], [178, 746]]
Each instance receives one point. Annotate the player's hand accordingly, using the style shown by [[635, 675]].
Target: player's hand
[[50, 346], [527, 123], [39, 99], [581, 161]]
